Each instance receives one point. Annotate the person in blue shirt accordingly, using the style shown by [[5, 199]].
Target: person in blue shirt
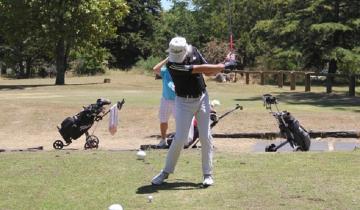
[[167, 103]]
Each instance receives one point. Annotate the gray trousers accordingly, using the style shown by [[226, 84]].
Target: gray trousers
[[185, 108]]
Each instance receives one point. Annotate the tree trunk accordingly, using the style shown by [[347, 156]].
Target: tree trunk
[[28, 71], [332, 66], [60, 62], [2, 68], [333, 62], [21, 70]]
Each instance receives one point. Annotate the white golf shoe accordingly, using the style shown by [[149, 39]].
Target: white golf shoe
[[159, 179], [208, 180]]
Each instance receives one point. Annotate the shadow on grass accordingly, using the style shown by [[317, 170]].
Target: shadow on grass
[[147, 189], [336, 100], [258, 98], [21, 87]]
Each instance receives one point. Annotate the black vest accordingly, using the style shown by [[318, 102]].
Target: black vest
[[186, 83]]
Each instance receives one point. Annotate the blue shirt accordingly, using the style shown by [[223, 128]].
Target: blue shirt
[[168, 87]]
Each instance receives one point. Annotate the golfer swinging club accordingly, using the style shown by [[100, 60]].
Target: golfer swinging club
[[186, 66]]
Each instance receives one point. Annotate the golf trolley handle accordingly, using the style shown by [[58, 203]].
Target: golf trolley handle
[[119, 106], [269, 100]]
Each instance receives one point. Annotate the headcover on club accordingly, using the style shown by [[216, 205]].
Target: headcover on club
[[103, 101], [269, 99], [120, 104]]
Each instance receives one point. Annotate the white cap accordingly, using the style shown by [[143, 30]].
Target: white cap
[[178, 49]]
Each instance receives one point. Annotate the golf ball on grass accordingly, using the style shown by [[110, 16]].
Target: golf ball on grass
[[115, 207], [150, 198], [141, 154]]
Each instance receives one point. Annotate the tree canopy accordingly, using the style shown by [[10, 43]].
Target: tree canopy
[[57, 27], [276, 34]]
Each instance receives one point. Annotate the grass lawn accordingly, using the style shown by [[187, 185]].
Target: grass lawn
[[97, 179], [71, 179]]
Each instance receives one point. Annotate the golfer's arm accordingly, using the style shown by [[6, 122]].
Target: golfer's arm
[[158, 66], [208, 69]]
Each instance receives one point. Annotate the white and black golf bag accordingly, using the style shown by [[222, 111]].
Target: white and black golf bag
[[290, 128]]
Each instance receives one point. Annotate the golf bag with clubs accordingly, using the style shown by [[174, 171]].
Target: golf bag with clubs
[[214, 119], [290, 128], [74, 127]]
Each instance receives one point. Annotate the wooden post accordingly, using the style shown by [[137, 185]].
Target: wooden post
[[292, 81], [280, 79], [307, 82], [247, 78], [328, 84], [262, 78], [352, 84]]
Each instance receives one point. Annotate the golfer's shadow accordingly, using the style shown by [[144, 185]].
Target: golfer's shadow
[[147, 189]]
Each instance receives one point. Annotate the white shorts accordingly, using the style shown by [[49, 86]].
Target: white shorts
[[167, 108]]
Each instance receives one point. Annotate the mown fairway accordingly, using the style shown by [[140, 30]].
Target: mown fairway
[[70, 179], [96, 179]]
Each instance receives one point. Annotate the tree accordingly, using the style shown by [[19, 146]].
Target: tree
[[212, 19], [135, 35], [72, 24], [313, 33], [21, 44]]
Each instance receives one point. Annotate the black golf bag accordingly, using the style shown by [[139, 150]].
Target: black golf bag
[[290, 128], [71, 128]]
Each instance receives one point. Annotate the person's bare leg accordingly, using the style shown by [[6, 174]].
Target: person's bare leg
[[163, 129]]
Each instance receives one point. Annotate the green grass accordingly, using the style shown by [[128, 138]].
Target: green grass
[[94, 180], [32, 108]]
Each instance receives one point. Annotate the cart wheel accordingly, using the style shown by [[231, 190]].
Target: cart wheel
[[91, 142], [87, 145], [270, 148], [58, 144], [299, 149]]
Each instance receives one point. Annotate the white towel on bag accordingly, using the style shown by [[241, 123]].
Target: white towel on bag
[[113, 119]]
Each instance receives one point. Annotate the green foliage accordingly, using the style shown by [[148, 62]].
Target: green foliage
[[349, 60], [315, 30], [22, 43], [286, 34], [51, 29], [90, 60], [330, 28], [147, 65], [135, 35]]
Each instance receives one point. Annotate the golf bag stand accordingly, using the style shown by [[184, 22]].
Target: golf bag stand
[[290, 128], [71, 128]]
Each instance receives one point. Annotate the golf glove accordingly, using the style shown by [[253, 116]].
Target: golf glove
[[230, 65]]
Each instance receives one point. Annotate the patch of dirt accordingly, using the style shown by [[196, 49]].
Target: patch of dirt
[[138, 125]]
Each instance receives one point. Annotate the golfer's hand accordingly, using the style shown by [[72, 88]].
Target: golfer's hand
[[230, 65]]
